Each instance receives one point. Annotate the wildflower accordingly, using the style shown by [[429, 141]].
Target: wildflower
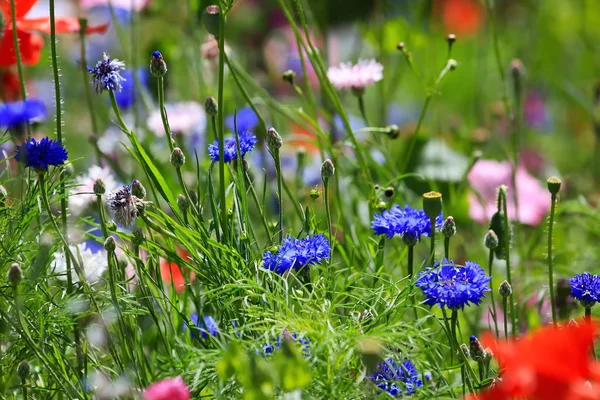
[[208, 327], [462, 17], [172, 273], [327, 169], [247, 143], [453, 286], [394, 378], [304, 342], [476, 349], [124, 205], [356, 77], [130, 5], [158, 66], [545, 365], [106, 74], [297, 253], [93, 264], [127, 96], [40, 155], [168, 389], [409, 223], [81, 196], [19, 113], [245, 119], [184, 118], [30, 43], [585, 288]]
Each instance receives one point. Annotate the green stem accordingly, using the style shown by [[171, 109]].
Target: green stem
[[115, 107], [505, 312], [327, 209], [24, 388], [260, 209], [550, 257], [221, 130], [100, 209], [13, 17], [277, 160], [432, 248], [361, 107], [163, 112], [447, 247], [490, 268], [508, 273], [588, 314], [410, 261]]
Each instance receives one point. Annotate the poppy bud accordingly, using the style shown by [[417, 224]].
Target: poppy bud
[[138, 236], [158, 66], [138, 190], [505, 289], [554, 184], [177, 158], [327, 169], [288, 76], [23, 370], [212, 20], [274, 141], [432, 204], [491, 240], [99, 187], [110, 245], [15, 275], [449, 227], [183, 203], [477, 351], [314, 193], [210, 106], [389, 191]]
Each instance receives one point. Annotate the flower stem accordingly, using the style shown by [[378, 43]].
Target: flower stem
[[327, 209], [100, 210], [550, 256], [588, 314], [495, 316], [447, 247], [221, 130], [502, 194], [163, 112], [432, 248], [505, 311], [361, 107], [410, 260], [258, 205], [277, 160], [13, 17]]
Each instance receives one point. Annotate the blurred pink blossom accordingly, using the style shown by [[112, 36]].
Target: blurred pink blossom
[[487, 175], [168, 389], [135, 5], [358, 76]]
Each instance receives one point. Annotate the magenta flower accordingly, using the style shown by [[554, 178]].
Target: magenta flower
[[131, 5], [168, 389], [487, 175], [355, 76]]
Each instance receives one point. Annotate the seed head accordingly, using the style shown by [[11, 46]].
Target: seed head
[[432, 204], [554, 184], [212, 20]]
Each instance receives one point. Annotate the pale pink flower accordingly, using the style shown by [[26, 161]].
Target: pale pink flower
[[132, 5], [210, 48], [168, 389], [355, 76], [184, 117], [82, 196], [487, 175]]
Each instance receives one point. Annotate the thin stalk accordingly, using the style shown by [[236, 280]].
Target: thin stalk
[[410, 260], [277, 160], [327, 209], [24, 388], [432, 248], [13, 18], [588, 314], [221, 130], [163, 112], [361, 107], [550, 257], [495, 316], [447, 247], [505, 312], [260, 209], [100, 209], [508, 274]]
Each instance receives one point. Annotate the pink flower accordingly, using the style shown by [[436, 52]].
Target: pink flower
[[357, 77], [487, 175], [132, 5], [168, 389], [184, 117]]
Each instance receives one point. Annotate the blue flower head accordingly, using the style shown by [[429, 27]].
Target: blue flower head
[[40, 155], [209, 326], [297, 253], [245, 119], [407, 222], [127, 96], [393, 377], [453, 286], [13, 115], [268, 348], [106, 74], [585, 288], [247, 143]]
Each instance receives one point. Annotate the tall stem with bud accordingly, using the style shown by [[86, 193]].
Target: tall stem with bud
[[553, 187]]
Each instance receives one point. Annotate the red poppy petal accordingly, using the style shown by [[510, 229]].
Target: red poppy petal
[[22, 7], [63, 25], [30, 45]]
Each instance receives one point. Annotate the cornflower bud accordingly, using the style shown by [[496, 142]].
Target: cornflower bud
[[210, 106], [449, 227], [505, 289], [138, 236], [177, 158], [463, 353], [274, 140], [138, 190], [288, 76], [15, 275], [491, 240], [477, 351], [327, 169], [99, 187], [23, 370], [451, 38], [158, 66], [183, 203], [393, 131], [315, 193], [110, 245], [389, 191]]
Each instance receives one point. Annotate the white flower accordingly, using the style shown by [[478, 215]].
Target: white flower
[[93, 264], [186, 117], [357, 76], [78, 202]]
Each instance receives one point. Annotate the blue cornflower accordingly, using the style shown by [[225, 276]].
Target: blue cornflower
[[40, 155], [392, 378], [106, 75], [15, 114], [297, 253], [209, 326], [247, 142], [304, 342], [128, 94], [453, 286], [585, 288], [245, 119], [407, 222]]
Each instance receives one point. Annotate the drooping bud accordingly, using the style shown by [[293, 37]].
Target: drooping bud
[[452, 64], [370, 352], [158, 66], [23, 370], [138, 190], [110, 245], [183, 203], [177, 158], [491, 240], [449, 227], [432, 204], [138, 236], [554, 184], [274, 140], [505, 289], [99, 187], [15, 275], [212, 20], [463, 353], [315, 193], [389, 191], [477, 351], [393, 131], [288, 76], [327, 169], [210, 106]]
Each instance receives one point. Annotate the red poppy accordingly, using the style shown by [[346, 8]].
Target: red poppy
[[551, 363], [30, 43], [462, 17], [171, 272]]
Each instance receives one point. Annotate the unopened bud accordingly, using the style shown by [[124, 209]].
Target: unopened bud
[[158, 66], [138, 190], [15, 275], [192, 196], [516, 67], [476, 348], [99, 187], [327, 169], [183, 203], [463, 352], [380, 206], [274, 140], [449, 227], [212, 20], [288, 76], [393, 131], [110, 245], [23, 370], [452, 64], [177, 158], [389, 192], [451, 38], [432, 204], [315, 193], [491, 240], [400, 46], [138, 236], [505, 289], [554, 184], [210, 106]]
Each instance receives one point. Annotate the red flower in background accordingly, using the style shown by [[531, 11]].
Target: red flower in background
[[170, 271], [30, 43], [549, 364], [462, 17]]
